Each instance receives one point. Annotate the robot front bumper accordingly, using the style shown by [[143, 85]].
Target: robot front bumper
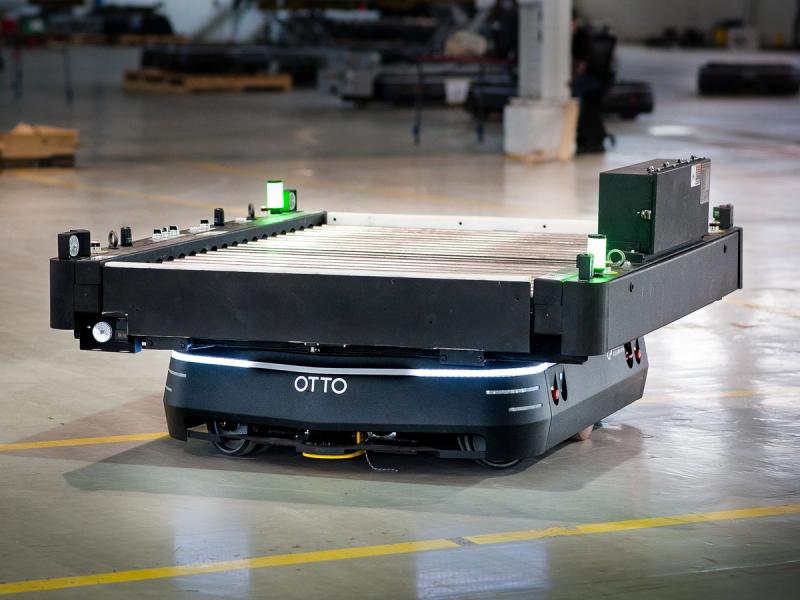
[[505, 411]]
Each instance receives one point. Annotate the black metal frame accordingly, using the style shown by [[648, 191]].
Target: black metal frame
[[591, 318], [76, 286], [566, 319], [322, 309]]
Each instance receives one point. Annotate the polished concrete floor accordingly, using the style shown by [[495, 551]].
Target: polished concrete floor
[[715, 437]]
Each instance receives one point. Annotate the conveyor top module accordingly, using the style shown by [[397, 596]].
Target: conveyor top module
[[399, 284], [394, 251]]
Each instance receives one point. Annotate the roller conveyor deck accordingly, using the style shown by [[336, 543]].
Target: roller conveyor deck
[[402, 252]]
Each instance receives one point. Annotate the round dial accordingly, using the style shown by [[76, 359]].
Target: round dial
[[74, 245], [102, 332]]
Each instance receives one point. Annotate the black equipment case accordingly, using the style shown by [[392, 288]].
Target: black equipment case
[[748, 78]]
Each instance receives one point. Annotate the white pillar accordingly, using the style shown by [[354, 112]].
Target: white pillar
[[540, 121]]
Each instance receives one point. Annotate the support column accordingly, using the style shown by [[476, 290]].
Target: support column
[[540, 122]]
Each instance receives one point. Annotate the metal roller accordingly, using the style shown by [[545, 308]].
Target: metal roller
[[403, 251]]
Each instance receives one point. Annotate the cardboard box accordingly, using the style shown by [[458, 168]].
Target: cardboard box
[[33, 142]]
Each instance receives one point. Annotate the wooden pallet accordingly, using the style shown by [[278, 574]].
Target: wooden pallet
[[80, 39], [137, 39], [156, 80], [30, 146], [66, 161], [102, 39]]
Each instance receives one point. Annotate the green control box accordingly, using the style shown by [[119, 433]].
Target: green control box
[[655, 206]]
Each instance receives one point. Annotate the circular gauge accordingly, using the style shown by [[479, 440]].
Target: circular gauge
[[102, 332], [74, 246]]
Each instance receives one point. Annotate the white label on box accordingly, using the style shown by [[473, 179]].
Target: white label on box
[[696, 170]]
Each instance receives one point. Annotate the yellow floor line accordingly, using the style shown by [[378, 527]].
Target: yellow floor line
[[746, 393], [87, 441], [144, 437], [215, 167], [757, 392], [52, 181], [762, 307], [378, 191], [260, 562], [634, 524], [341, 554]]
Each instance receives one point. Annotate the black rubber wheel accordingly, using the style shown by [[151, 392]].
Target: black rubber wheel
[[473, 443], [231, 446]]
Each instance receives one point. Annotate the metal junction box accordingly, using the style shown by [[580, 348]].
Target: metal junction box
[[654, 206]]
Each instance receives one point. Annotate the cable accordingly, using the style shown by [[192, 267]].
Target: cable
[[377, 469]]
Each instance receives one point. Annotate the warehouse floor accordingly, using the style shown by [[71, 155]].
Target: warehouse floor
[[714, 439]]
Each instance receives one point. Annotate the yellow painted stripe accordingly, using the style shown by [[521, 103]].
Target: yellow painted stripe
[[340, 554], [88, 441], [52, 181], [634, 524], [378, 191], [765, 391], [763, 307], [261, 562], [143, 437], [709, 394]]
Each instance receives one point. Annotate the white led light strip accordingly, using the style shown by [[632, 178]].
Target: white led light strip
[[239, 363]]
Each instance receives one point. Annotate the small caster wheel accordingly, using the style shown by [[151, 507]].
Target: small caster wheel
[[231, 446], [493, 464], [476, 443], [584, 434]]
